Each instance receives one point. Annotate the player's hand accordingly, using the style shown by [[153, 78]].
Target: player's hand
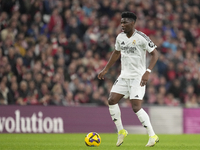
[[102, 73], [144, 79]]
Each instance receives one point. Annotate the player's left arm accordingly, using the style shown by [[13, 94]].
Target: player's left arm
[[154, 58]]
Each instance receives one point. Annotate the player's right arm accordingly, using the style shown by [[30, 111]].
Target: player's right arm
[[114, 57]]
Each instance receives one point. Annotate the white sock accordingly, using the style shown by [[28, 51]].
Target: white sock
[[144, 119], [116, 116]]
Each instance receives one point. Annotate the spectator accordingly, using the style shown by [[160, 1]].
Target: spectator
[[23, 90], [28, 59], [175, 89], [2, 100], [3, 20], [151, 95], [41, 45], [8, 72], [31, 99], [48, 67], [11, 57], [56, 99], [18, 69], [38, 80], [44, 94], [192, 102], [5, 94], [171, 73], [160, 100], [28, 77], [21, 44], [56, 22], [10, 31], [96, 99], [32, 90], [69, 101], [171, 101], [48, 81], [189, 93], [14, 93]]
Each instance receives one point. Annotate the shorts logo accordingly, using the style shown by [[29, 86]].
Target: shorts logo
[[122, 43], [136, 96]]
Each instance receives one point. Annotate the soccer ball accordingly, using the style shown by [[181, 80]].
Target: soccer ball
[[92, 139]]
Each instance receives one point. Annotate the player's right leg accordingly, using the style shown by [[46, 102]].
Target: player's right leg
[[152, 141], [116, 116], [118, 91], [121, 135]]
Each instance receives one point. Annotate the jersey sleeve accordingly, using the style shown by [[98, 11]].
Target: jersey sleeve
[[149, 45], [117, 44]]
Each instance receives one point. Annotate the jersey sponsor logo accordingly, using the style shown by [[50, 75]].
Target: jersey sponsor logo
[[151, 44], [128, 50]]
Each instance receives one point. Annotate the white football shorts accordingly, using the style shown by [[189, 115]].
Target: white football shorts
[[129, 88]]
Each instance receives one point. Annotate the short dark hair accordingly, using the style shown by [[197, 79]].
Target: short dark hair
[[129, 15]]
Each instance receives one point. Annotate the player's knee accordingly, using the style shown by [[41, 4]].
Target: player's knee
[[136, 108], [111, 101]]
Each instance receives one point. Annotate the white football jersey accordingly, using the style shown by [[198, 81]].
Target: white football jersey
[[133, 53]]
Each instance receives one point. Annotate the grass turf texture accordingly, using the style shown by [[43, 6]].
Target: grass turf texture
[[76, 142]]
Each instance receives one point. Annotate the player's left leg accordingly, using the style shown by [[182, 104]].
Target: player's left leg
[[136, 95], [144, 119]]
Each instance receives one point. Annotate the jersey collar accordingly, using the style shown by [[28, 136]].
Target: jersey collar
[[132, 34]]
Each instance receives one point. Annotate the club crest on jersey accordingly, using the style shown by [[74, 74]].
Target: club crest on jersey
[[134, 42]]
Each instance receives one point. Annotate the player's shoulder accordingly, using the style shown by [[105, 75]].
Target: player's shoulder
[[142, 35], [121, 35]]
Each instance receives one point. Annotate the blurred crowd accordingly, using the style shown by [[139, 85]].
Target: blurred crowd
[[52, 50]]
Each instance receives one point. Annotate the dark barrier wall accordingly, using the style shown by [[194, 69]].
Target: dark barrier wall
[[55, 119]]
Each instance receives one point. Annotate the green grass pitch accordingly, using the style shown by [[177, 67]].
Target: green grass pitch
[[76, 142]]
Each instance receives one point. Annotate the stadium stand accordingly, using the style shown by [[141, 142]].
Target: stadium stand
[[52, 50]]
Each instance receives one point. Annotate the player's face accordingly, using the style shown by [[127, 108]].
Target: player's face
[[127, 25]]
